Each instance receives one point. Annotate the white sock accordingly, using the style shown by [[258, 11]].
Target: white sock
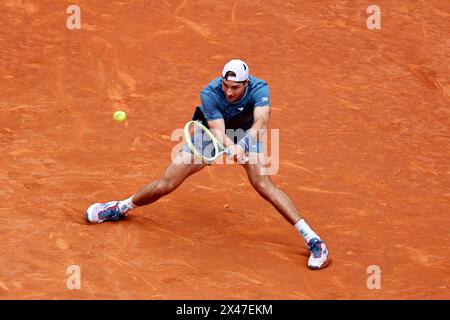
[[126, 205], [305, 231]]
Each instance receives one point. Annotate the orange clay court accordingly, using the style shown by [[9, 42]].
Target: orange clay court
[[364, 149]]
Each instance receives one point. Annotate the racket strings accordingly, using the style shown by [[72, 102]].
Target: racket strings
[[201, 141]]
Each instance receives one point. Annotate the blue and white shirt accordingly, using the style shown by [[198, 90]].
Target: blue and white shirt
[[237, 115]]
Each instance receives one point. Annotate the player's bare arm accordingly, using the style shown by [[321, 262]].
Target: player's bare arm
[[261, 117], [217, 127]]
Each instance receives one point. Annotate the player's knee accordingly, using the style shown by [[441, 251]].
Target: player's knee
[[165, 186], [262, 187]]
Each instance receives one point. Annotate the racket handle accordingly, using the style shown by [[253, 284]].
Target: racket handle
[[227, 152]]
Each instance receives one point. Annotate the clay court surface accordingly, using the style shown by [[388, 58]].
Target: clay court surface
[[364, 149]]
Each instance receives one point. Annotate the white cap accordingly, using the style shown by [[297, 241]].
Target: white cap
[[239, 67]]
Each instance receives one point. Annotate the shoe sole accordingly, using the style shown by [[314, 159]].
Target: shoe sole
[[322, 266]]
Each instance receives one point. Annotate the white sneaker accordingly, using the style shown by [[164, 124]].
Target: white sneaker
[[319, 254], [99, 212]]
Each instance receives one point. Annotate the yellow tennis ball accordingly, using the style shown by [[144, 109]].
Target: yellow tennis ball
[[120, 116]]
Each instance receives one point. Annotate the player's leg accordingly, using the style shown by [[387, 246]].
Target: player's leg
[[181, 167], [261, 182]]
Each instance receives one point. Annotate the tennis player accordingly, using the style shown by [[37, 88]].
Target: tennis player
[[235, 100]]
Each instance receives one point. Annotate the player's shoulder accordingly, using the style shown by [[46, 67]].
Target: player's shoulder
[[212, 86], [256, 83], [258, 87]]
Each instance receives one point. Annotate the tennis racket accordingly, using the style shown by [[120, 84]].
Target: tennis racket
[[202, 142]]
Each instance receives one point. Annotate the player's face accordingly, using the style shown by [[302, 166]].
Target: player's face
[[233, 90]]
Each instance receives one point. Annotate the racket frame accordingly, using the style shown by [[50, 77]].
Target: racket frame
[[217, 145]]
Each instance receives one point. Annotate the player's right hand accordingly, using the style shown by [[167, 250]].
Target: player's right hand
[[237, 153]]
